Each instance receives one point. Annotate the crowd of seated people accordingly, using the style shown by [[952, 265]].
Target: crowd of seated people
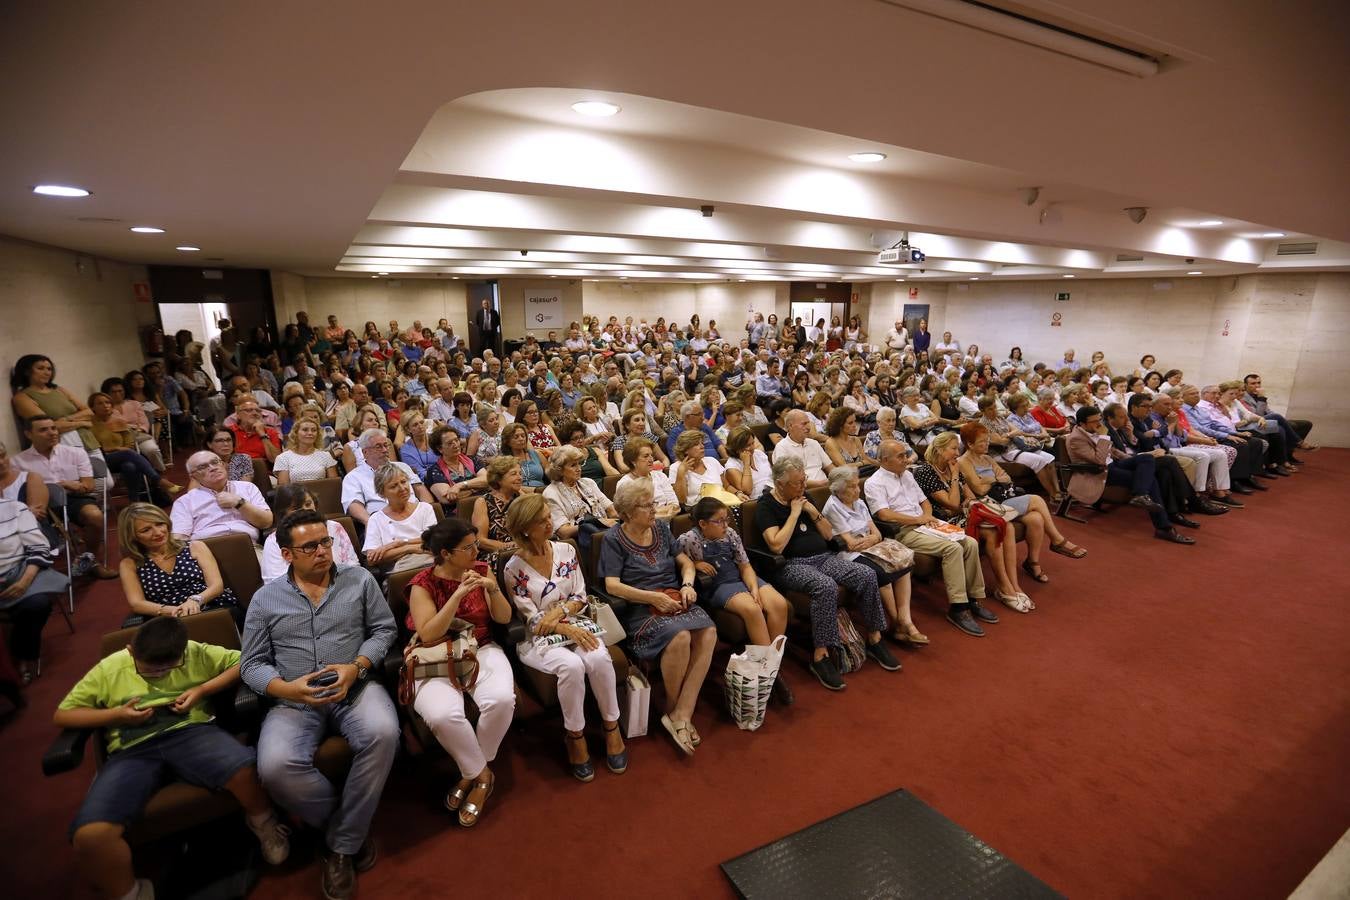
[[651, 437]]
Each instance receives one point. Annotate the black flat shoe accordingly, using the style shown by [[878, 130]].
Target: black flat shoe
[[1255, 485], [1269, 475], [984, 614], [1228, 502], [1173, 536], [881, 654], [963, 620], [1184, 522], [827, 674]]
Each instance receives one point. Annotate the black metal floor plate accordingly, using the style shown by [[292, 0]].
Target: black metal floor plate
[[893, 846]]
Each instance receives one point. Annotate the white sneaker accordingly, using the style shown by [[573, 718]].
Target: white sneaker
[[274, 839]]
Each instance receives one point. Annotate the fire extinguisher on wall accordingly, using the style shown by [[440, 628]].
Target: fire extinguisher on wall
[[152, 339]]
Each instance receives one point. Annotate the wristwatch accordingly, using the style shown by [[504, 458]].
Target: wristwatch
[[361, 671], [240, 504]]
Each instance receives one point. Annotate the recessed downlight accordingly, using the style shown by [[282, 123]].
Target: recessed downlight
[[869, 156], [188, 248], [974, 278], [596, 108], [60, 190], [1195, 273], [1066, 276], [1210, 223], [1274, 234], [384, 273], [146, 229]]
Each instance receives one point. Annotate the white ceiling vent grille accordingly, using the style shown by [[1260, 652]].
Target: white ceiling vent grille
[[996, 19], [1126, 257], [1296, 248]]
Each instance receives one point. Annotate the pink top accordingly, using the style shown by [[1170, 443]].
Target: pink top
[[197, 515]]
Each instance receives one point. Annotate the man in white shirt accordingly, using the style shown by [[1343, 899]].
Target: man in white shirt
[[218, 505], [947, 345], [442, 409], [896, 500], [69, 477], [898, 337], [359, 497], [1067, 362], [815, 461]]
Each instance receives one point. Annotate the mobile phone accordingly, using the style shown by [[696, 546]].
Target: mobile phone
[[324, 679]]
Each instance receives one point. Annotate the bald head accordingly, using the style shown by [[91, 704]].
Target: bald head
[[893, 456]]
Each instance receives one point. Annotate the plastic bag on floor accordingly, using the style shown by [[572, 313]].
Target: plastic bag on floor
[[634, 702], [749, 681]]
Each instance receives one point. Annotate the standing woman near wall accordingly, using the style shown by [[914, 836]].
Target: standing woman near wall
[[36, 393]]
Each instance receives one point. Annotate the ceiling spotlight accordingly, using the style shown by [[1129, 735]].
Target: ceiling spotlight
[[60, 190], [974, 278], [1195, 273], [147, 229], [899, 279], [1030, 195], [867, 157], [1066, 276], [1209, 223], [384, 273], [596, 108], [187, 248], [1273, 234], [374, 276], [1137, 214]]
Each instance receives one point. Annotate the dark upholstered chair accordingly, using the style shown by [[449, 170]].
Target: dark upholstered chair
[[238, 563], [327, 496]]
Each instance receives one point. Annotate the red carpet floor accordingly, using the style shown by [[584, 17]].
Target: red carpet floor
[[1171, 722]]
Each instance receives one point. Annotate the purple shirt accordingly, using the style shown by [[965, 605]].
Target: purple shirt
[[197, 515]]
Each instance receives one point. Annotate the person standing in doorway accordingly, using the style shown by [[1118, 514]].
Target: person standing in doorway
[[489, 323]]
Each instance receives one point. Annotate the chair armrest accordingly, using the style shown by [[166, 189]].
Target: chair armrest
[[515, 631], [887, 529], [393, 664], [67, 751], [618, 605], [1089, 467], [765, 563]]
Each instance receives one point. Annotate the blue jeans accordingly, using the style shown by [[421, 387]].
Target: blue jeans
[[286, 763]]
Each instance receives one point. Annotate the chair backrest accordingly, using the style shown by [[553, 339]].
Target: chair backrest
[[591, 564], [750, 534], [762, 432], [439, 511], [214, 627], [464, 509], [680, 524], [262, 475], [327, 495], [350, 526], [818, 496], [396, 592], [609, 485], [238, 563]]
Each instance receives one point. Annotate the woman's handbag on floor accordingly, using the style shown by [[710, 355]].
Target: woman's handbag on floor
[[851, 652], [749, 681], [636, 699], [603, 615], [455, 656], [890, 554]]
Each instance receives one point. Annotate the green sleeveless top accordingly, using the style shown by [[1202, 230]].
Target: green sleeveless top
[[58, 406]]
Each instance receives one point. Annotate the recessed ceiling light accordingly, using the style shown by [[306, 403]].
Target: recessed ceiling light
[[1273, 234], [596, 108], [623, 276], [1195, 273], [1066, 276], [742, 280], [1209, 223], [374, 276], [867, 157], [899, 279], [60, 190], [974, 278], [147, 229], [384, 273], [187, 248]]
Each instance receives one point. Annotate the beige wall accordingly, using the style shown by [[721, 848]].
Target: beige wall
[[77, 309], [729, 304], [358, 300], [511, 294]]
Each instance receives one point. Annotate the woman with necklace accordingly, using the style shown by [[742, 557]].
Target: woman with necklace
[[578, 507], [459, 586], [546, 584]]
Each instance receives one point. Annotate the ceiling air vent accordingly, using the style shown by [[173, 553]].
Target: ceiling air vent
[[1126, 257], [1003, 20], [1298, 248]]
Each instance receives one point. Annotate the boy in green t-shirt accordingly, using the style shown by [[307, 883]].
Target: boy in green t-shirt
[[148, 699]]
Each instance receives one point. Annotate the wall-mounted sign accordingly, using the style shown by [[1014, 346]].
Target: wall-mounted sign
[[543, 310], [141, 291], [1056, 320], [1062, 296], [914, 293]]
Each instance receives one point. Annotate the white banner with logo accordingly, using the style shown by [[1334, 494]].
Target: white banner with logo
[[543, 311]]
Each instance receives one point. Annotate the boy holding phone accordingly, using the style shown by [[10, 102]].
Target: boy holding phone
[[148, 699]]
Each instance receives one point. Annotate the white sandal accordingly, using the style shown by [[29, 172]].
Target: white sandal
[[1018, 602]]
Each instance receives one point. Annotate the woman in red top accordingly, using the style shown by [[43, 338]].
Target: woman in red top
[[458, 586], [1051, 419], [539, 432]]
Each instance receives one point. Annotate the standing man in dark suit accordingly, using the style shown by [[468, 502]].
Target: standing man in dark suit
[[489, 323]]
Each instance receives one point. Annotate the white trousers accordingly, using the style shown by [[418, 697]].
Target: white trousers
[[572, 666], [441, 706], [1210, 463], [149, 448], [1035, 460]]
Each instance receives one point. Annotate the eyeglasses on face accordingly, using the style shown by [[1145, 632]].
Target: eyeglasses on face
[[312, 547], [213, 464], [471, 546], [153, 671]]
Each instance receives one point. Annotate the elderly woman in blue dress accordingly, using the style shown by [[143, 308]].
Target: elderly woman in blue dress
[[641, 564]]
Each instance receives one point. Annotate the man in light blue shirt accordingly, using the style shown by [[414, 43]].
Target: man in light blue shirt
[[322, 622]]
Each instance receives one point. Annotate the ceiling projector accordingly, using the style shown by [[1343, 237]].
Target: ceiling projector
[[900, 256]]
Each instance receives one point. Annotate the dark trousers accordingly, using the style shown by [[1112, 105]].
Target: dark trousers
[[27, 618], [1139, 473], [1176, 488], [138, 476], [1289, 430], [1248, 461], [1300, 427]]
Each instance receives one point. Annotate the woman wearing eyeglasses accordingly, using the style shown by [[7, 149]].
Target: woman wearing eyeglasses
[[545, 581], [289, 498], [459, 586]]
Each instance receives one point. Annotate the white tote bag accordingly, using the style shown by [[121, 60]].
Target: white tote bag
[[633, 705], [749, 681]]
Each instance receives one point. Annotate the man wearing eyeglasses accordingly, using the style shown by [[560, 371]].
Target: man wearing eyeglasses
[[218, 505], [359, 497], [319, 622]]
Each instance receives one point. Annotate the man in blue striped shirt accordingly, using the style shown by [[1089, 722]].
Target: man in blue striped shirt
[[322, 621]]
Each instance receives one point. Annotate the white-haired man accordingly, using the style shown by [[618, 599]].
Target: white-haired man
[[217, 505], [359, 497]]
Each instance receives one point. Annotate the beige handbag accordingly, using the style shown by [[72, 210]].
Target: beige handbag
[[603, 615]]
